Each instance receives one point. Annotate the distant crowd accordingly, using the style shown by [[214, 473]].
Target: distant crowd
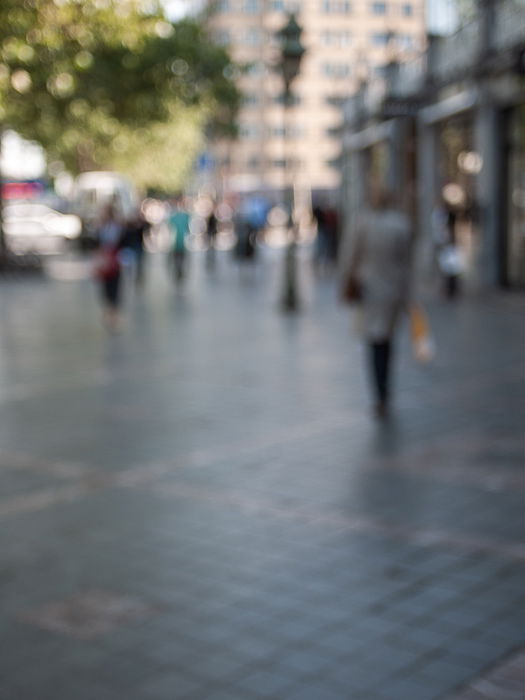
[[121, 242]]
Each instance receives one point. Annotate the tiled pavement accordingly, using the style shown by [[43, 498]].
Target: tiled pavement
[[202, 507]]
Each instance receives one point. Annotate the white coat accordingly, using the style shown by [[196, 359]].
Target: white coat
[[378, 255]]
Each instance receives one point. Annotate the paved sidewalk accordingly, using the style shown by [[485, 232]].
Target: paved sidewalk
[[202, 507]]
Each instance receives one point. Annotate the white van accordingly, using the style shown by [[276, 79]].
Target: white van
[[93, 191]]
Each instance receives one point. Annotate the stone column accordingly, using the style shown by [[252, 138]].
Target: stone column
[[398, 161], [428, 192], [488, 195]]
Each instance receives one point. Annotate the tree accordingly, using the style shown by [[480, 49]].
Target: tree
[[161, 156], [75, 75]]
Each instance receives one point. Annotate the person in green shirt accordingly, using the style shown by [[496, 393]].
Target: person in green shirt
[[179, 226]]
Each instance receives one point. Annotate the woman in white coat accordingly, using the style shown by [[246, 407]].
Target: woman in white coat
[[375, 272]]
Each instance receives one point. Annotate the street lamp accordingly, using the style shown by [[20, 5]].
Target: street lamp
[[292, 51]]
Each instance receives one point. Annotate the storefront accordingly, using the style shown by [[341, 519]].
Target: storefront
[[449, 131]]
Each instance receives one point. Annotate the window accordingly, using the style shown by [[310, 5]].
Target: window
[[379, 8], [256, 68], [345, 39], [251, 7], [340, 39], [250, 99], [293, 132], [279, 99], [335, 100], [253, 162], [223, 36], [380, 39], [296, 132], [335, 70], [282, 6], [336, 7], [249, 131], [406, 41], [379, 71], [334, 132], [223, 6], [252, 36], [407, 10], [280, 163]]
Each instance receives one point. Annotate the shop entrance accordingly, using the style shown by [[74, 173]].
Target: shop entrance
[[459, 165]]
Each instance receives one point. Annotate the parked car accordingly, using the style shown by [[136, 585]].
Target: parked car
[[33, 227], [93, 191]]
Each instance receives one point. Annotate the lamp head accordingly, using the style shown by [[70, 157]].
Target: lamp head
[[292, 50]]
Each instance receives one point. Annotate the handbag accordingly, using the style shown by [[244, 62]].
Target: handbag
[[106, 263], [451, 260], [352, 291], [422, 341]]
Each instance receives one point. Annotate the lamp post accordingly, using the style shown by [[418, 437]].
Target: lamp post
[[292, 51]]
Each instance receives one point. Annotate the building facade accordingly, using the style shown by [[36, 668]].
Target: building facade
[[345, 41], [451, 124]]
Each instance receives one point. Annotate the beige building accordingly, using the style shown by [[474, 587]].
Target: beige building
[[346, 41]]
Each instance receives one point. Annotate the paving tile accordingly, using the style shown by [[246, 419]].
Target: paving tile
[[316, 692], [225, 694], [265, 683], [89, 615], [409, 690], [168, 686], [450, 672]]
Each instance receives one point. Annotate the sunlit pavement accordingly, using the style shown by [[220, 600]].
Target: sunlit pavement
[[202, 506]]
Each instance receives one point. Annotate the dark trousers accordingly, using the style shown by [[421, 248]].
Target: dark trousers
[[179, 261], [451, 286], [380, 354], [111, 290]]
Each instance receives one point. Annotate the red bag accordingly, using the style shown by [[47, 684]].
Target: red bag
[[106, 263]]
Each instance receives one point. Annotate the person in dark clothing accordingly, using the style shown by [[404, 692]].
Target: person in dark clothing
[[134, 234], [332, 233], [246, 238], [212, 227], [450, 258], [322, 246], [107, 265]]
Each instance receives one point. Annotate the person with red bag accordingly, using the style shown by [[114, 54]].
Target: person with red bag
[[107, 265]]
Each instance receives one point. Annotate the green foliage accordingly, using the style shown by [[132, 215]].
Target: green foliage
[[82, 77], [161, 157]]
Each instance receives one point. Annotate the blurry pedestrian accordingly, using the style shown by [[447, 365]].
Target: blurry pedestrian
[[438, 219], [246, 234], [134, 233], [322, 245], [332, 232], [179, 225], [450, 258], [212, 228], [375, 272], [107, 264]]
